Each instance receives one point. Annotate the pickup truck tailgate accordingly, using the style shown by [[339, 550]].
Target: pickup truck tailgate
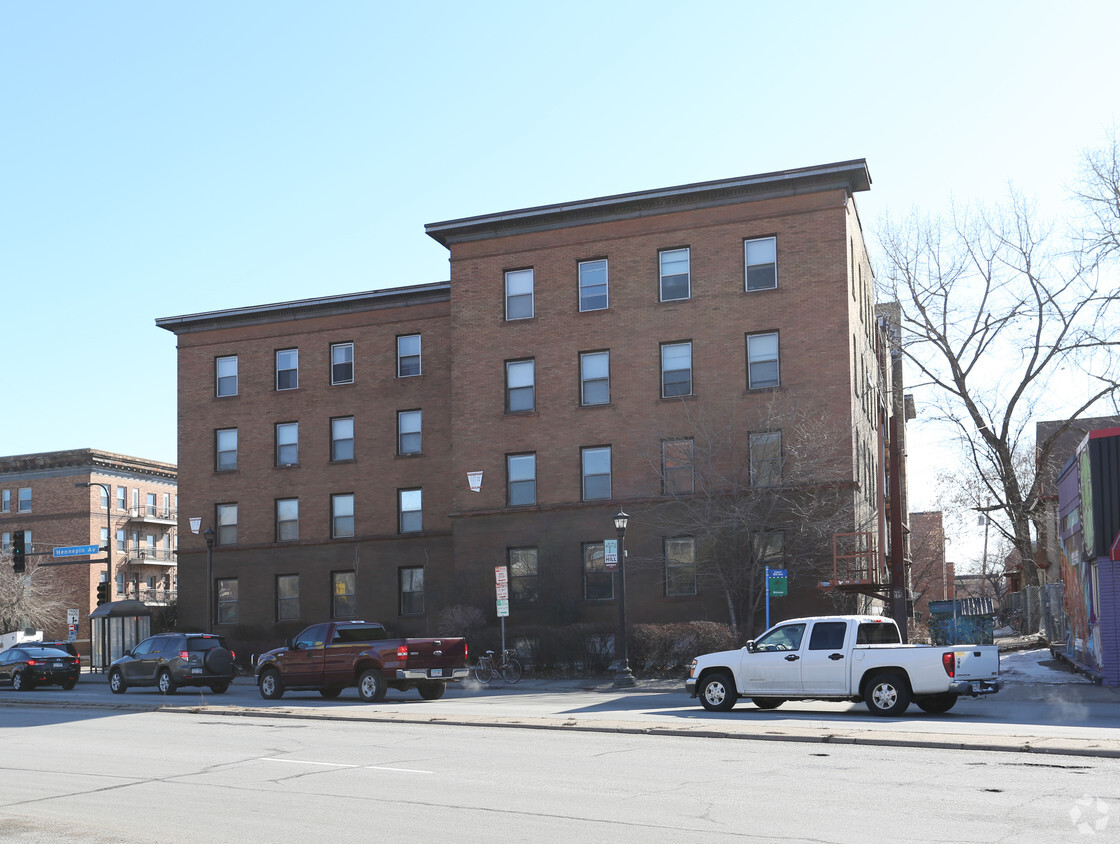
[[975, 662], [434, 657]]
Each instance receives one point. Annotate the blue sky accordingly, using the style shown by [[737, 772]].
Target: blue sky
[[170, 158]]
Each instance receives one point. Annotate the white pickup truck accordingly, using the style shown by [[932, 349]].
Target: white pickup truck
[[843, 657]]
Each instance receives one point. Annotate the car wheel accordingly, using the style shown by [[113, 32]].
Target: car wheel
[[69, 684], [936, 704], [21, 683], [371, 685], [330, 693], [219, 688], [117, 685], [717, 693], [270, 684], [767, 702], [218, 661], [165, 683], [887, 694], [432, 691]]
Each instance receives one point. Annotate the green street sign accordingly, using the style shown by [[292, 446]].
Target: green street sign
[[779, 587]]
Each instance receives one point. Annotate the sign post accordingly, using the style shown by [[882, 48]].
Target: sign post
[[501, 588]]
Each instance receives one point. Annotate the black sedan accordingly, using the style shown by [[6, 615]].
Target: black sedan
[[27, 666]]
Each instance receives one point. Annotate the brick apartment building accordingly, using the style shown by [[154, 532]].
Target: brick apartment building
[[85, 497], [932, 577], [327, 442]]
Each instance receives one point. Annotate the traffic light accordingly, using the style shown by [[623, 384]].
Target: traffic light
[[19, 550], [102, 593]]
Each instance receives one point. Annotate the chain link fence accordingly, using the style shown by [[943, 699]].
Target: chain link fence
[[1035, 609]]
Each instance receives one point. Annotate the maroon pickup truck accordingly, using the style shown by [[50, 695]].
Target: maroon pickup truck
[[338, 654]]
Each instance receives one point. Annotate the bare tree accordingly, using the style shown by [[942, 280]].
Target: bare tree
[[996, 316], [754, 488], [30, 599], [1098, 191]]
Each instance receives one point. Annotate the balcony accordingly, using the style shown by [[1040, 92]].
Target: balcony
[[152, 596], [152, 514], [148, 555]]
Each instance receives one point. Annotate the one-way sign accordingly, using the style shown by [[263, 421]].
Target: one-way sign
[[76, 551]]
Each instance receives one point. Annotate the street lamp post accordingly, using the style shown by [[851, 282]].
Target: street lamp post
[[624, 676], [108, 553], [208, 535]]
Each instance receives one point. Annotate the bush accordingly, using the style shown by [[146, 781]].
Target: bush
[[661, 648]]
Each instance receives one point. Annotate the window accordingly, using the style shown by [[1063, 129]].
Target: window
[[6, 501], [344, 602], [342, 363], [520, 390], [408, 355], [766, 458], [521, 471], [680, 566], [227, 600], [287, 444], [287, 519], [762, 263], [103, 498], [762, 361], [596, 472], [287, 369], [828, 635], [677, 475], [675, 274], [5, 541], [676, 369], [150, 506], [225, 444], [122, 540], [122, 498], [342, 515], [411, 590], [24, 500], [593, 285], [226, 375], [408, 431], [524, 587], [410, 510], [785, 638], [342, 438], [598, 582], [519, 294], [595, 378], [287, 598]]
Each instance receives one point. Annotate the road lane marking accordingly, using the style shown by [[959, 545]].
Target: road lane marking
[[346, 765]]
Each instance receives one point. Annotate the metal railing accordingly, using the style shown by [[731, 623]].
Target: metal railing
[[147, 594]]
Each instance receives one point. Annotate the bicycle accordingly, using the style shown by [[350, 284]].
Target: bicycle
[[506, 666]]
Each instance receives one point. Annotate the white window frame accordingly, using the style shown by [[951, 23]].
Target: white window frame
[[759, 356], [669, 256], [410, 430], [346, 351], [223, 449], [594, 360], [287, 369], [287, 605], [287, 519], [674, 546], [762, 445], [340, 438], [521, 479], [225, 517], [342, 515], [670, 470], [411, 577], [590, 458], [287, 437], [225, 376], [590, 284], [765, 254], [406, 355], [410, 507], [521, 379], [516, 294], [673, 350]]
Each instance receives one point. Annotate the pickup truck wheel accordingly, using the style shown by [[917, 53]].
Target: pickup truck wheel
[[219, 688], [936, 704], [717, 693], [331, 693], [271, 686], [887, 694], [432, 691], [371, 685], [767, 702]]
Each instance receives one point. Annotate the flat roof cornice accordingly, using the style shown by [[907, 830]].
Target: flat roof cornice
[[395, 297], [851, 176]]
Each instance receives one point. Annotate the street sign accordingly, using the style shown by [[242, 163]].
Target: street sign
[[776, 573], [503, 609], [500, 574], [501, 587], [610, 554], [503, 591], [77, 551]]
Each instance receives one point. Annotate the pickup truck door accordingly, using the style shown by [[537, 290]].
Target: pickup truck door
[[825, 668], [773, 666], [302, 664]]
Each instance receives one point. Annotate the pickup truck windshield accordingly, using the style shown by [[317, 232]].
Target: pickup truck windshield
[[874, 633]]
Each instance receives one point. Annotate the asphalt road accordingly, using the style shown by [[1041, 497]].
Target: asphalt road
[[100, 773]]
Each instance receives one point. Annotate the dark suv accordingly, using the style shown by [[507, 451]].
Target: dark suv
[[170, 660]]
